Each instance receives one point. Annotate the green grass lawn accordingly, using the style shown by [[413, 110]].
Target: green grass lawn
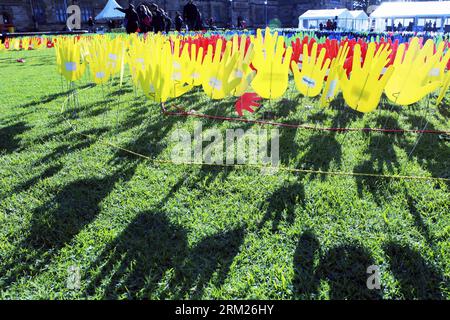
[[136, 229]]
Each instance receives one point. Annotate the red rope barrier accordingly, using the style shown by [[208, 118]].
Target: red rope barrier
[[300, 126]]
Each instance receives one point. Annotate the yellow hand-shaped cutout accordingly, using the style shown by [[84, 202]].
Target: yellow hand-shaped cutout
[[69, 60], [140, 57], [217, 78], [438, 72], [309, 81], [331, 88], [410, 81], [15, 44], [184, 67], [271, 80], [444, 88], [243, 69], [98, 62], [196, 65], [115, 54], [159, 81], [362, 91]]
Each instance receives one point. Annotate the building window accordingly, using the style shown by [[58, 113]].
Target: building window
[[39, 11], [260, 15], [219, 14], [61, 12]]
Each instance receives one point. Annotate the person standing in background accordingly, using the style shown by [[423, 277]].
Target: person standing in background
[[329, 25], [159, 20], [211, 25], [239, 22], [190, 15], [131, 19], [178, 22], [145, 17], [111, 25], [167, 21], [199, 22], [90, 25]]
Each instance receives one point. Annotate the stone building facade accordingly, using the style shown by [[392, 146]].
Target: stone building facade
[[44, 15]]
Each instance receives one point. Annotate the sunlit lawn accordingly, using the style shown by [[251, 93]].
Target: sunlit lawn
[[136, 229]]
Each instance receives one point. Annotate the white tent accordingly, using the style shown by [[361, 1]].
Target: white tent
[[360, 20], [109, 12], [416, 14], [311, 19]]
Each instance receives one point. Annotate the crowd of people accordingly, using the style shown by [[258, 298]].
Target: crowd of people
[[329, 26], [149, 17], [428, 27]]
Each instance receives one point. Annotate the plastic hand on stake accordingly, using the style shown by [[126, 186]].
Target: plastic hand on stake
[[218, 81], [438, 72], [98, 63], [196, 65], [115, 54], [15, 44], [160, 81], [69, 60], [25, 43], [181, 63], [309, 81], [246, 102], [139, 58], [362, 91], [331, 88], [243, 69], [444, 88], [410, 80], [272, 63]]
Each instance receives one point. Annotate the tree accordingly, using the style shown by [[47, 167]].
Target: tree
[[364, 4]]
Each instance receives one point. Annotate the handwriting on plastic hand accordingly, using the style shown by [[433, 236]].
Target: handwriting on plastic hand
[[309, 81]]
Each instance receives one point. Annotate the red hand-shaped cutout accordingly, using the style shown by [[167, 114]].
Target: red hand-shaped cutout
[[246, 102]]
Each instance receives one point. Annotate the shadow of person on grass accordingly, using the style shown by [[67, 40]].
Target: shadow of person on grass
[[282, 204], [322, 150], [56, 223], [417, 278], [150, 141], [9, 137], [429, 150], [209, 261], [30, 183], [306, 283], [383, 160], [344, 268], [136, 261], [72, 143], [152, 250]]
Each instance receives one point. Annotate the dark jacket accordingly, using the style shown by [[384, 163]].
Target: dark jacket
[[190, 12], [178, 22], [132, 19]]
